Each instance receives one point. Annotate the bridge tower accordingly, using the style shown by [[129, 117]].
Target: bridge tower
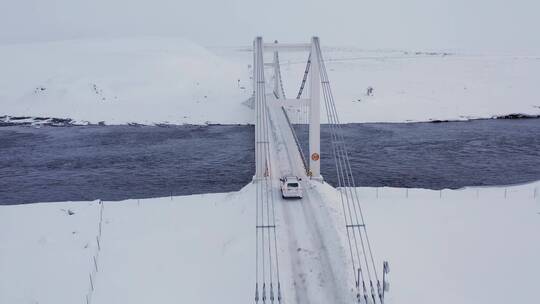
[[315, 113], [313, 101]]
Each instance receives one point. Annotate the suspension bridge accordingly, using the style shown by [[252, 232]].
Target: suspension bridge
[[328, 264]]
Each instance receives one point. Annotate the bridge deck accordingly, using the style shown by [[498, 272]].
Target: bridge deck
[[316, 268]]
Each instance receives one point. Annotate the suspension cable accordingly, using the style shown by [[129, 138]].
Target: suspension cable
[[278, 68], [267, 263], [347, 187], [346, 205], [304, 79]]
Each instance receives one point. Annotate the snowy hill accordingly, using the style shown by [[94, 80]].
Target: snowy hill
[[424, 86], [121, 81], [152, 81], [474, 245]]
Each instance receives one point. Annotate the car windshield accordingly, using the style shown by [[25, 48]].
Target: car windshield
[[293, 185]]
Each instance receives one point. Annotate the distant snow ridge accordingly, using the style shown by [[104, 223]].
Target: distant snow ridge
[[121, 81], [39, 121]]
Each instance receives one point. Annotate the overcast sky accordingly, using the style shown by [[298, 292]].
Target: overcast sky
[[477, 25]]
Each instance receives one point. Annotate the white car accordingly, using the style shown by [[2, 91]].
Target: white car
[[290, 187]]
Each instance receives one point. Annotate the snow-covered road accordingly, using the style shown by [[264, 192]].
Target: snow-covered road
[[316, 257]]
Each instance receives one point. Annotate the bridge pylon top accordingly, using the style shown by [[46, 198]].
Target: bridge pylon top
[[287, 47]]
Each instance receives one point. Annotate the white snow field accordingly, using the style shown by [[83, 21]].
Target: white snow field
[[473, 245], [191, 249], [409, 87], [165, 80], [121, 81]]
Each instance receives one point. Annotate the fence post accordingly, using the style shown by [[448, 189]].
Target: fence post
[[96, 255], [91, 283], [406, 192], [377, 192], [95, 264], [505, 190], [440, 194]]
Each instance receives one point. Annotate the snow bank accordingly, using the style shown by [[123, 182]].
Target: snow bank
[[190, 249], [45, 253], [121, 81], [475, 245]]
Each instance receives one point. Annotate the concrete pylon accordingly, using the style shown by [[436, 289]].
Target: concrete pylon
[[277, 75], [315, 113], [313, 101]]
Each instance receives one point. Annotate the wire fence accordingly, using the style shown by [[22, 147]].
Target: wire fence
[[465, 193], [95, 257]]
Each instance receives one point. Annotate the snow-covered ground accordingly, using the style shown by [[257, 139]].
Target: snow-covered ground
[[474, 245], [427, 86], [152, 80], [190, 249], [457, 246], [121, 81]]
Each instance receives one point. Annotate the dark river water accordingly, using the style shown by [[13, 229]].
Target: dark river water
[[120, 162]]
